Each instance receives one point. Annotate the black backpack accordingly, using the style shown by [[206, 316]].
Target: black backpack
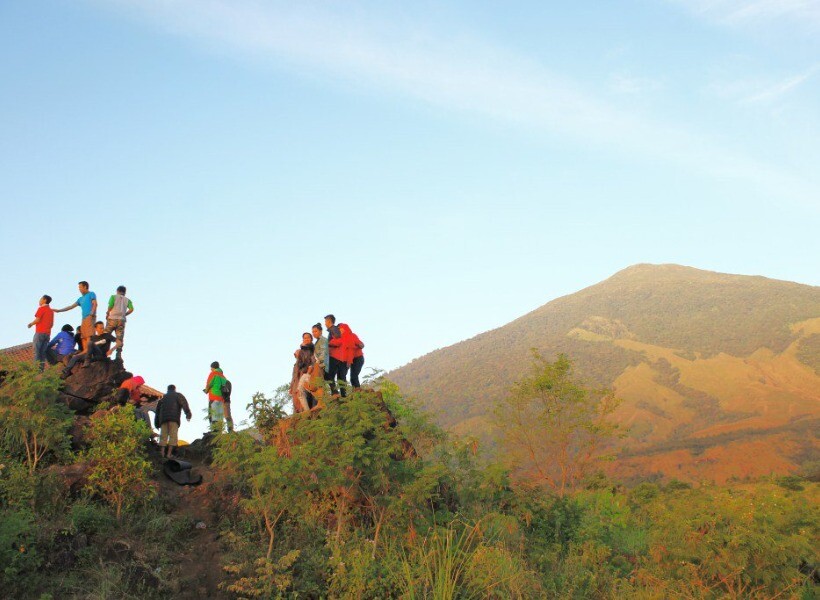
[[226, 391]]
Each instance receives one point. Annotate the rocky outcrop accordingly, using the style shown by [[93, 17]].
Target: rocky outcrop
[[87, 386]]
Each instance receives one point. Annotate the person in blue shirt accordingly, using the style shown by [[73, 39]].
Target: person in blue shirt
[[62, 346], [88, 304]]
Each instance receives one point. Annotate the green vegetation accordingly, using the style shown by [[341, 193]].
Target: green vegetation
[[118, 471], [350, 502], [554, 430]]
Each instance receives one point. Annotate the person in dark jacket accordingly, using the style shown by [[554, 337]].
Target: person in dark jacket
[[167, 418]]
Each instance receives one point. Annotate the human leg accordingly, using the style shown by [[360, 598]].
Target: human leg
[[86, 331], [173, 437], [341, 376], [355, 369], [226, 408], [40, 345], [164, 436], [216, 414]]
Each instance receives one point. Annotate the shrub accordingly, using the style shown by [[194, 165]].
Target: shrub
[[119, 471]]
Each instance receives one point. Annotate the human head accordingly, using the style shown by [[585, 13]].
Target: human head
[[68, 328], [330, 321], [215, 364], [317, 330], [307, 338], [99, 326], [83, 285], [172, 388], [46, 299], [121, 290], [344, 328]]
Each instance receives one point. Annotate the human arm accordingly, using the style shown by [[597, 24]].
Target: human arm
[[183, 402], [94, 307], [130, 308], [34, 322], [157, 415], [75, 305], [208, 383]]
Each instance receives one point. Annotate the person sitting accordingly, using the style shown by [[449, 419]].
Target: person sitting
[[167, 419], [62, 346], [99, 347]]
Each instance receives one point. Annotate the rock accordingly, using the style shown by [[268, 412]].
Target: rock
[[74, 477], [77, 432], [87, 386], [201, 525]]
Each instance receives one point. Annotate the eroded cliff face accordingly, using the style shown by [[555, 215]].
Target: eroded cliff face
[[87, 386]]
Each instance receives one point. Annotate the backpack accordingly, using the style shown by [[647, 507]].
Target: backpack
[[226, 391]]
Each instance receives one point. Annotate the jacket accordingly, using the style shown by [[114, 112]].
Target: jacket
[[334, 334], [214, 385], [169, 409], [64, 343], [346, 346]]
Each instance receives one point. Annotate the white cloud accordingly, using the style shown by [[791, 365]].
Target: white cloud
[[756, 12], [760, 91], [456, 73]]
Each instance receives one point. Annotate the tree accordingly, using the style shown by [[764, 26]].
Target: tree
[[119, 471], [32, 420], [553, 427]]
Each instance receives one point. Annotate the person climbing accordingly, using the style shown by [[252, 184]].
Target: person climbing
[[304, 358], [167, 419], [119, 307], [99, 347], [130, 390], [88, 306], [62, 346], [219, 411], [42, 323], [337, 368]]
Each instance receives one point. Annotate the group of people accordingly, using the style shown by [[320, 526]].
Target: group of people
[[320, 360], [93, 338], [324, 360]]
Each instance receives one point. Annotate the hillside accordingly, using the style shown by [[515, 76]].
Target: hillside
[[720, 374]]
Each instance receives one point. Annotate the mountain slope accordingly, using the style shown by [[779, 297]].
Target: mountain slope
[[719, 373]]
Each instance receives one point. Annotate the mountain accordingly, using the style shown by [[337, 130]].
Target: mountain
[[719, 374]]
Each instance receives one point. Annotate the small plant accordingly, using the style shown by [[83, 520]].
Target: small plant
[[119, 471], [33, 423]]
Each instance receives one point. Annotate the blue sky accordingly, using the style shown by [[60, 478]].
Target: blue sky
[[426, 171]]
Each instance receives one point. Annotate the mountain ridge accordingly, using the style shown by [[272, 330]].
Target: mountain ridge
[[658, 334]]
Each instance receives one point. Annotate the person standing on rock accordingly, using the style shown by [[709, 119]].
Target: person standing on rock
[[42, 323], [119, 307], [320, 350], [218, 409], [337, 367], [167, 420], [88, 305]]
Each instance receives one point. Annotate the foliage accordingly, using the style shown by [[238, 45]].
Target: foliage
[[265, 412], [33, 423], [119, 471], [553, 428]]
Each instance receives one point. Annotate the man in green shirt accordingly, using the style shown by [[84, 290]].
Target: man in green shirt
[[119, 307]]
